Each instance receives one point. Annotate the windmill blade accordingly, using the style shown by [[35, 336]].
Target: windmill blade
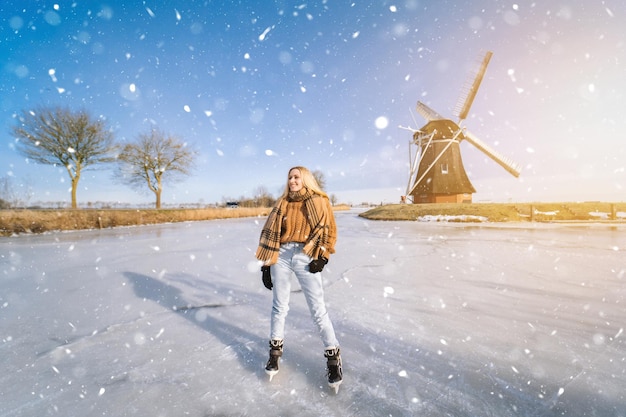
[[471, 88], [415, 161], [428, 113], [434, 161], [506, 163]]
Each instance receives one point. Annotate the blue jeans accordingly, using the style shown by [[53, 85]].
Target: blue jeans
[[292, 260]]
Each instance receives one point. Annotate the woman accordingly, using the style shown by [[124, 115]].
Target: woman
[[298, 238]]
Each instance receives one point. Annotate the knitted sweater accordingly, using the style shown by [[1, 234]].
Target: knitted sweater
[[295, 227]]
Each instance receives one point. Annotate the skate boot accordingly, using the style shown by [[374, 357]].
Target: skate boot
[[333, 368], [276, 351]]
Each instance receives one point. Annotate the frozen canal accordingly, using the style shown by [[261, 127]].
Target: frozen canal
[[433, 319]]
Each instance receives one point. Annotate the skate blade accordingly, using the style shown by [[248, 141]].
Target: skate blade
[[271, 374], [335, 386]]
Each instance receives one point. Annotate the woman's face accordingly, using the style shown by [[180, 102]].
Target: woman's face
[[295, 180]]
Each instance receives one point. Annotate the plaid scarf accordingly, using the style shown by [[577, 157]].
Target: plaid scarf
[[321, 241]]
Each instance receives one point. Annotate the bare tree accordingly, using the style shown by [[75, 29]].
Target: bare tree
[[7, 195], [320, 178], [263, 198], [10, 197], [152, 158], [56, 135]]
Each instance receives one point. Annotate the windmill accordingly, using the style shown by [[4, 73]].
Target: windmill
[[436, 172]]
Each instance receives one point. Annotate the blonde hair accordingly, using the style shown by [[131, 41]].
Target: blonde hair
[[308, 181]]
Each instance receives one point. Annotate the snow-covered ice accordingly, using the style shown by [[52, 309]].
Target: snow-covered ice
[[434, 319]]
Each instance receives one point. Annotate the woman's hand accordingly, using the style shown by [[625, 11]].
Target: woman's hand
[[266, 277], [317, 265]]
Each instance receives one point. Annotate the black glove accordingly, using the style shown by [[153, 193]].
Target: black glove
[[267, 277], [317, 265]]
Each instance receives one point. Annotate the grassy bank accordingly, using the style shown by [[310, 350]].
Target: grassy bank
[[501, 212], [39, 221]]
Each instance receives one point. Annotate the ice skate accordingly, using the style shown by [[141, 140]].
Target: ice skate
[[333, 368], [276, 351]]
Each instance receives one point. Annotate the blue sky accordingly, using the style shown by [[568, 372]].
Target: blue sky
[[258, 87]]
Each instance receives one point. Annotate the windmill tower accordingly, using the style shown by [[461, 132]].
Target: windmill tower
[[436, 172]]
